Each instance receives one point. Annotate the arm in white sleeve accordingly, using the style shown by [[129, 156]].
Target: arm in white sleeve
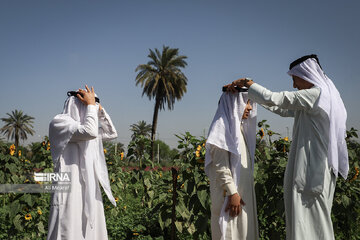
[[221, 163], [297, 100], [88, 130], [107, 129], [280, 111]]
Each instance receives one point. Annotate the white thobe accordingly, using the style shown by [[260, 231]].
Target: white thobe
[[309, 183], [244, 226], [67, 220]]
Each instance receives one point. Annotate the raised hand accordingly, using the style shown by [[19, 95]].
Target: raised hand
[[88, 96], [241, 82]]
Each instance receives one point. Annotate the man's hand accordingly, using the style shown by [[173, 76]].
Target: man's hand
[[234, 205], [241, 82], [88, 96]]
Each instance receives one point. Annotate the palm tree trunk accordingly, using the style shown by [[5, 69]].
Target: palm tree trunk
[[153, 127], [16, 138]]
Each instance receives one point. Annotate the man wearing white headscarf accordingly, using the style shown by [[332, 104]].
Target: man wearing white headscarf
[[76, 138], [229, 163], [318, 151]]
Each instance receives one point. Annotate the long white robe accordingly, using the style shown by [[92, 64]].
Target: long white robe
[[67, 220], [244, 226], [309, 183]]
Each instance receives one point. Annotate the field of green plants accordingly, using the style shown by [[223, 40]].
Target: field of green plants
[[172, 201]]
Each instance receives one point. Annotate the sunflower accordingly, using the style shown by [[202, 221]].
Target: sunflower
[[197, 153], [116, 199], [261, 133], [105, 151], [28, 217], [286, 139], [12, 150], [356, 174]]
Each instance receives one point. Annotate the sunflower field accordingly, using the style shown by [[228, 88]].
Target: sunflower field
[[169, 202]]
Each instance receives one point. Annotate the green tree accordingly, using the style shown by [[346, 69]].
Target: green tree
[[140, 128], [162, 80], [166, 154], [17, 126]]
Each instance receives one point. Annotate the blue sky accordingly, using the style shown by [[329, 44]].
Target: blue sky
[[50, 47]]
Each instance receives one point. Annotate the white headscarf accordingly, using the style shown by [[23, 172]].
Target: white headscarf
[[330, 101], [92, 160], [225, 133]]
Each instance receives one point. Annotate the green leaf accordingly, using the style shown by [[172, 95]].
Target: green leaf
[[161, 222], [345, 201], [14, 208], [40, 226], [28, 199], [15, 178], [201, 223], [151, 194], [191, 229], [147, 183], [179, 226], [202, 196], [12, 167], [17, 222], [190, 186]]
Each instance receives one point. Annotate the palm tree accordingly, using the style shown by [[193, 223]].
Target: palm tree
[[17, 126], [140, 128], [162, 80]]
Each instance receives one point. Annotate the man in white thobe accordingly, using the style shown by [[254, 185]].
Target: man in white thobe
[[229, 161], [76, 138], [318, 150]]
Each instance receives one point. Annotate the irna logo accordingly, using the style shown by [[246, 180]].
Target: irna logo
[[52, 177]]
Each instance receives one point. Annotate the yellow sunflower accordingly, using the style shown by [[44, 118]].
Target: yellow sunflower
[[28, 217], [197, 153], [261, 133], [356, 174], [12, 149]]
